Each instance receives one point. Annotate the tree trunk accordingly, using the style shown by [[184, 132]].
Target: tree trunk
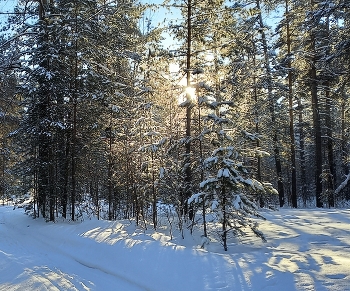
[[154, 195], [330, 153], [316, 118], [224, 218], [329, 130], [256, 111], [303, 187], [3, 184], [272, 109], [110, 186], [291, 114], [318, 133], [74, 131], [43, 140], [73, 193], [51, 185], [344, 148], [65, 173], [202, 170], [188, 172]]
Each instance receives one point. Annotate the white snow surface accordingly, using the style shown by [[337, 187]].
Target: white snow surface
[[307, 249]]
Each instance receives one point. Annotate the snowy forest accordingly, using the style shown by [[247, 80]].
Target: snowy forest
[[223, 108]]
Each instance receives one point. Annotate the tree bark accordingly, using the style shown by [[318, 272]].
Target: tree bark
[[188, 172], [303, 186], [316, 118], [318, 134], [271, 101], [224, 218], [330, 152], [291, 114]]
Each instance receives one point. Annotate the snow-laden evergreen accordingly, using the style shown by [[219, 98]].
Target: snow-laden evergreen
[[229, 194]]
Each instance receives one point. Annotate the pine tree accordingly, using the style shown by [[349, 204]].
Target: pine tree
[[226, 189]]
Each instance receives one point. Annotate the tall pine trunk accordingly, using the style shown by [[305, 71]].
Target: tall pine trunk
[[109, 173], [330, 151], [224, 217], [329, 130], [188, 172], [271, 101], [43, 113], [317, 132], [73, 193], [303, 187], [3, 184], [74, 125], [52, 198], [291, 113], [316, 117], [256, 112]]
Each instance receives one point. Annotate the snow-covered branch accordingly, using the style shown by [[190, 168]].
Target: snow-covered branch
[[343, 184]]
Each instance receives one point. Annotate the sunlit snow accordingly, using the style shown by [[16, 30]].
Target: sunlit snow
[[306, 249]]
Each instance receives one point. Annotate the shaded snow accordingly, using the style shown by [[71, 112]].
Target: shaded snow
[[306, 250]]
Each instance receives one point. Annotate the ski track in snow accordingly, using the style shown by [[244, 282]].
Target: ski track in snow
[[307, 249], [34, 249]]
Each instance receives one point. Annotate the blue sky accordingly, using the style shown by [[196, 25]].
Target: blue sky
[[7, 5]]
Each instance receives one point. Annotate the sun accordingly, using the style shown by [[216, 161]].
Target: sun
[[190, 93], [187, 96]]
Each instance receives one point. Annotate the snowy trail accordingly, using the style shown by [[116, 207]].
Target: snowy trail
[[38, 261], [307, 250]]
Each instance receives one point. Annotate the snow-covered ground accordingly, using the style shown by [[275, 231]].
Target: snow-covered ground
[[306, 250]]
